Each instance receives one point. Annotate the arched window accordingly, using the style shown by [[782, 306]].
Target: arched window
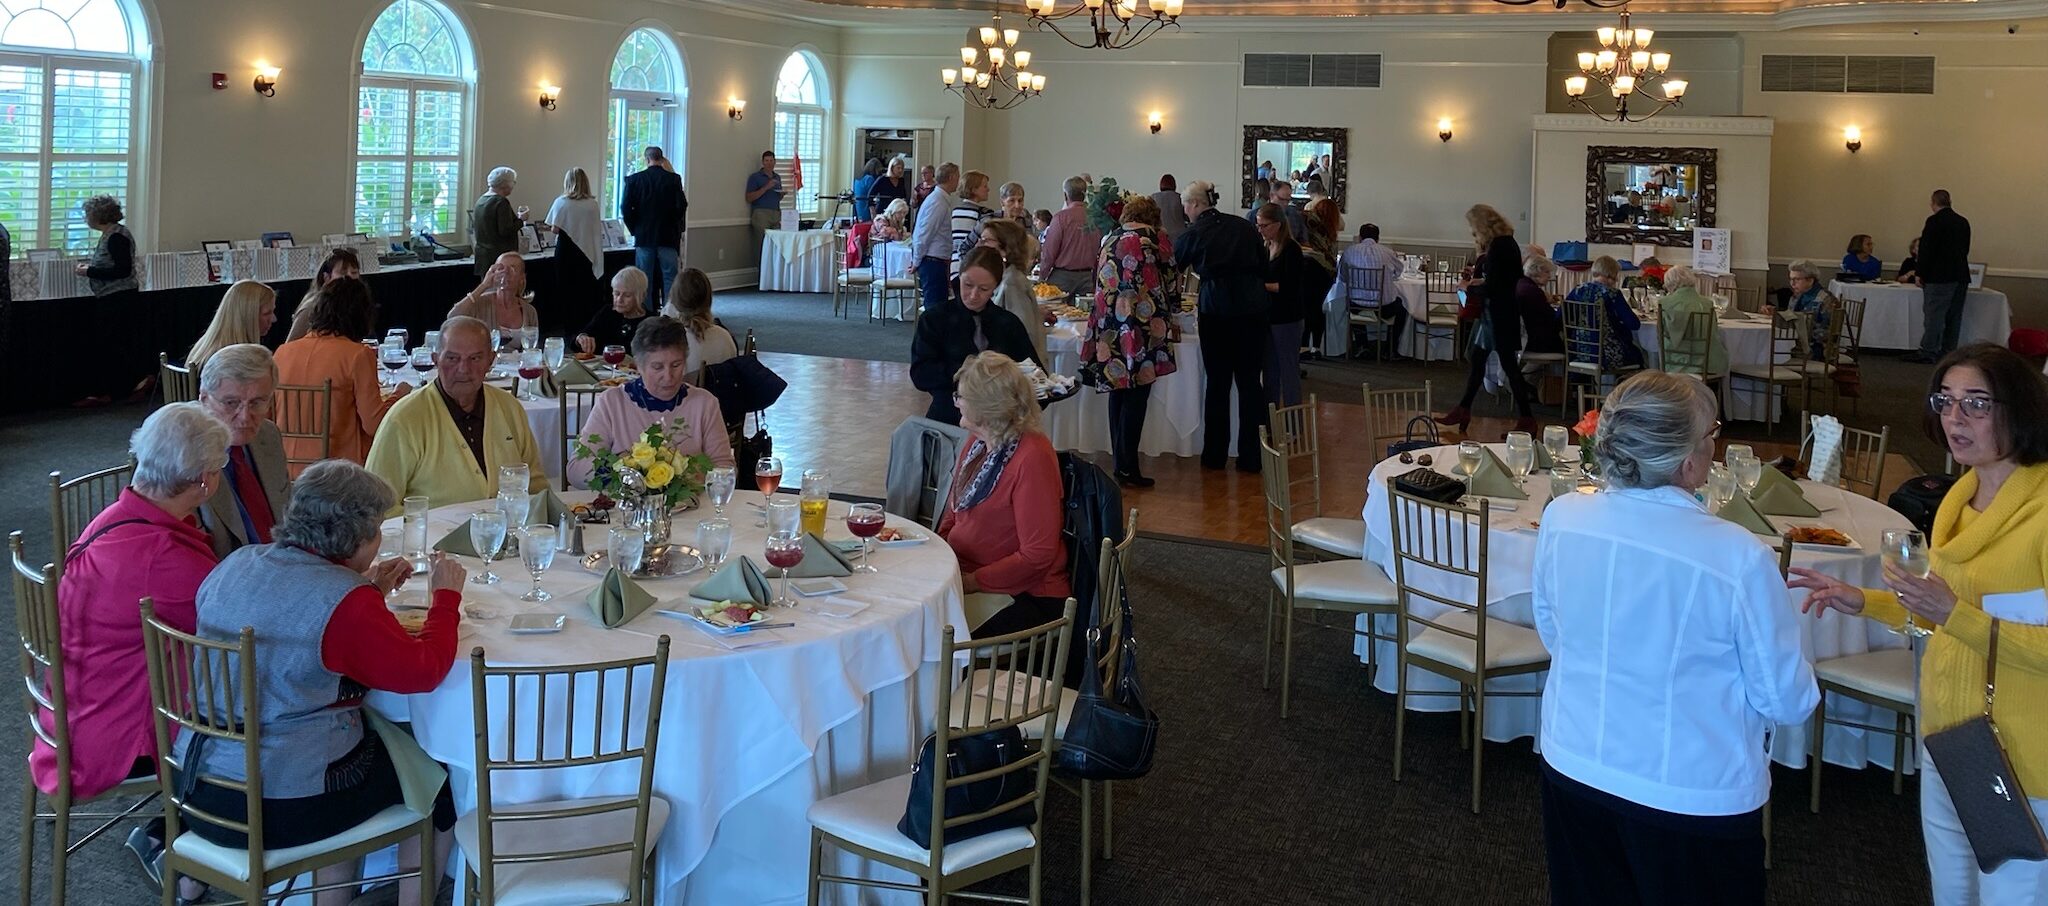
[[412, 108], [647, 96], [800, 127], [68, 77]]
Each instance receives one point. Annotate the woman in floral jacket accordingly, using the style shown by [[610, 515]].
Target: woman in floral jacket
[[1130, 342]]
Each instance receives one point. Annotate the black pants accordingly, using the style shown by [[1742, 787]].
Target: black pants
[[1029, 611], [1127, 425], [1507, 347], [306, 819], [1233, 352], [1312, 330], [1608, 851]]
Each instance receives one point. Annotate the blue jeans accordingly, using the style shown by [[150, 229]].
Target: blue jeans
[[936, 274], [1942, 324], [659, 264]]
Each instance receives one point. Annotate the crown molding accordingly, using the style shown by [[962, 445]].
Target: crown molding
[[1677, 125]]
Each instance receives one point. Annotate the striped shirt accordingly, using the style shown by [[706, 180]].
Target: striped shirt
[[967, 219]]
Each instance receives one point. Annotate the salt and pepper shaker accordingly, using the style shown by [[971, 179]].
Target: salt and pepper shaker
[[571, 532]]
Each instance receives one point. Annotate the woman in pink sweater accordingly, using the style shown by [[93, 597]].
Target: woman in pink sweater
[[662, 393]]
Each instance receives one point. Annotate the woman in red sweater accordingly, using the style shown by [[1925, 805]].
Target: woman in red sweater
[[1003, 515]]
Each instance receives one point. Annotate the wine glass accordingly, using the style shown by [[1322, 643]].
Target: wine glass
[[529, 338], [719, 484], [865, 521], [783, 551], [556, 349], [423, 361], [530, 371], [1468, 457], [627, 548], [614, 356], [783, 514], [1521, 454], [1555, 440], [487, 534], [714, 540], [515, 478], [497, 339], [393, 357], [399, 334], [1720, 486], [1906, 550], [1748, 470], [433, 341], [537, 551], [768, 476]]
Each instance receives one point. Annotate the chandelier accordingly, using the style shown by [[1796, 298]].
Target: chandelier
[[1627, 68], [1001, 83], [1113, 24]]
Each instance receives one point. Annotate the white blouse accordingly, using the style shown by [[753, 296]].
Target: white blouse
[[1674, 647], [581, 221]]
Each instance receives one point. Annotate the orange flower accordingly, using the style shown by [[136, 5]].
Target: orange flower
[[1588, 424]]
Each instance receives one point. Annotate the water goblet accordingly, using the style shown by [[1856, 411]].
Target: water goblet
[[433, 341], [1748, 471], [1720, 486], [555, 349], [487, 534], [719, 483], [1555, 440], [1564, 479], [414, 527], [714, 541], [627, 548], [865, 521], [1521, 454], [784, 514], [529, 338], [537, 551], [515, 478]]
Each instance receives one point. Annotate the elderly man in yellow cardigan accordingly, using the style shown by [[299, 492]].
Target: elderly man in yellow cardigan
[[447, 444]]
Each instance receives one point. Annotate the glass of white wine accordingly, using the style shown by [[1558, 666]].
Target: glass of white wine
[[1906, 551], [1521, 454], [1468, 457]]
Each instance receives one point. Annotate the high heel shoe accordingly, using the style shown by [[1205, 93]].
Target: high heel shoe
[[1459, 418]]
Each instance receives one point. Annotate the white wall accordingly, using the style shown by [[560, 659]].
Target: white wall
[[1742, 182]]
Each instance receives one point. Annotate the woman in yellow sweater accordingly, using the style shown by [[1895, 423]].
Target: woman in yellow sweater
[[1990, 553]]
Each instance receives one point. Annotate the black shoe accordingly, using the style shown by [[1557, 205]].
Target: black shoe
[[149, 854], [1917, 358], [1134, 480]]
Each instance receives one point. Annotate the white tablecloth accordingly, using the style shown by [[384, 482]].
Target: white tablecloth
[[1893, 314], [1748, 343], [892, 261], [1173, 423], [543, 416], [798, 261], [749, 739], [1412, 292], [1510, 578]]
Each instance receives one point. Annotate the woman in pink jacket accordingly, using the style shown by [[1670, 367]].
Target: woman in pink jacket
[[662, 393]]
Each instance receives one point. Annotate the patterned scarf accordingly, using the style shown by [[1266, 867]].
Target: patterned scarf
[[636, 390], [983, 481]]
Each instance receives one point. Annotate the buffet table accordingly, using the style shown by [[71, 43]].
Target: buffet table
[[749, 738], [1893, 314], [1173, 423], [798, 261], [1510, 577]]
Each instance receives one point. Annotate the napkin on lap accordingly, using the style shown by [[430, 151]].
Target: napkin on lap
[[1492, 479], [820, 560], [573, 372], [458, 542], [618, 599], [1777, 495], [738, 580], [1743, 513]]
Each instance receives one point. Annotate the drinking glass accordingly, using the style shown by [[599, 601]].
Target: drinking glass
[[865, 521], [1556, 439], [768, 476], [393, 357], [537, 551], [403, 336], [529, 338], [1521, 454], [627, 547], [816, 493], [423, 361], [783, 514], [783, 551], [433, 341], [497, 340], [1563, 480], [1748, 471], [1720, 486], [415, 528], [714, 541], [1468, 457], [719, 484], [515, 478], [487, 534], [614, 356], [530, 371], [555, 348]]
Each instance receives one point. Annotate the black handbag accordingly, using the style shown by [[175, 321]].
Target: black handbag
[[1429, 484], [971, 755], [1919, 498], [1410, 441], [1995, 813], [1110, 735], [748, 452]]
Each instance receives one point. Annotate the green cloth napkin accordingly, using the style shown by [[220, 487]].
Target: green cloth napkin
[[1743, 513], [738, 580], [1492, 479], [1543, 461], [420, 777], [573, 372], [618, 599], [543, 507], [820, 560], [458, 542], [1780, 496]]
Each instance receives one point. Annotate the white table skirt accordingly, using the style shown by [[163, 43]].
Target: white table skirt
[[1173, 423], [1510, 581], [892, 261], [798, 261], [1893, 314], [749, 738], [1748, 343], [1414, 296]]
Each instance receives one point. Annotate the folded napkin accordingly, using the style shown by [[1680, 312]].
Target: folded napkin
[[458, 542], [1777, 495], [1492, 479], [573, 372], [1543, 461], [1743, 513], [820, 560], [618, 599], [543, 507], [420, 777], [738, 580]]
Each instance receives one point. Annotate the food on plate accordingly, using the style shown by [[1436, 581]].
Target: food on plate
[[891, 534], [732, 613], [1071, 312], [584, 356], [613, 381], [1818, 534], [1048, 291], [411, 620]]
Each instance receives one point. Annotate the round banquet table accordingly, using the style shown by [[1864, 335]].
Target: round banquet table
[[543, 416], [1510, 577], [798, 261], [1173, 422], [1893, 314], [1414, 296], [1748, 341], [749, 738]]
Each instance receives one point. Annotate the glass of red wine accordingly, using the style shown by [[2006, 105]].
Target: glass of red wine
[[393, 358], [423, 361], [530, 371], [615, 356], [865, 521], [767, 477], [783, 551]]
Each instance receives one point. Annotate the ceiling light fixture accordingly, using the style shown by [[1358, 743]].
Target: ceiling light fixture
[[1112, 24], [1626, 66], [996, 75]]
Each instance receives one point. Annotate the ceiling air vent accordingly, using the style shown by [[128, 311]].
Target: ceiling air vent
[[1833, 74], [1323, 70], [1276, 70]]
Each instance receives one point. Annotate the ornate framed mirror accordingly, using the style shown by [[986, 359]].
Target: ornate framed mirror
[[1315, 151], [1648, 195]]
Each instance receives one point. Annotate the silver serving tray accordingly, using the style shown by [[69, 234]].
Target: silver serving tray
[[670, 562]]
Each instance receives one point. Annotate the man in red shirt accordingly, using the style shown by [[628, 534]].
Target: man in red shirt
[[1070, 244]]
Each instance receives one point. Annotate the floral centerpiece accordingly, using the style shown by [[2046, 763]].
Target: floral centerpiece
[[652, 471], [1589, 424]]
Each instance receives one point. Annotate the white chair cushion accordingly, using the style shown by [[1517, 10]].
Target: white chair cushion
[[1341, 581], [1819, 369], [235, 862], [1776, 374], [858, 275], [1338, 536], [867, 818], [1507, 644], [978, 704], [898, 283], [1887, 673], [595, 879]]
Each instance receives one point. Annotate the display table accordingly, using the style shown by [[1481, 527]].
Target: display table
[[798, 261], [749, 738], [1894, 314], [1173, 421], [1510, 579]]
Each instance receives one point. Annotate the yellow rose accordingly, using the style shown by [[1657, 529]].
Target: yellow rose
[[642, 456], [660, 475]]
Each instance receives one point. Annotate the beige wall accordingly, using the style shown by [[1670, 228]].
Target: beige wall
[[1742, 182]]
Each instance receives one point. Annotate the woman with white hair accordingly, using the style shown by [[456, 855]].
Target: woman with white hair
[[579, 245], [1811, 298], [1672, 653], [245, 315], [1682, 300], [316, 601], [614, 325], [890, 224], [1013, 208], [494, 225]]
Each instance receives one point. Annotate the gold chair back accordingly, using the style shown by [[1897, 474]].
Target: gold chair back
[[1863, 455], [303, 413], [179, 383], [1687, 354], [1293, 430], [575, 403], [1445, 538], [1111, 574], [1565, 280], [1440, 293], [1585, 334], [42, 655], [74, 502], [1387, 413], [200, 686], [1025, 668]]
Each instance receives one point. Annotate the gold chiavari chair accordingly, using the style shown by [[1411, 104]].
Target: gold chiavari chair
[[593, 849], [303, 413], [1387, 413], [1586, 327], [1790, 334], [1863, 454], [575, 402], [1439, 313], [1294, 431], [75, 501], [850, 282], [1461, 643], [1880, 679], [1364, 292], [179, 383]]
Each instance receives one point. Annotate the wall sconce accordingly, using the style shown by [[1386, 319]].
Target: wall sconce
[[1853, 138], [549, 95], [1152, 122], [1443, 128], [735, 108], [266, 80]]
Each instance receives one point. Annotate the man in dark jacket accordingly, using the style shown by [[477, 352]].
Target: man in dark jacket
[[653, 208], [956, 328], [1944, 277], [1226, 252]]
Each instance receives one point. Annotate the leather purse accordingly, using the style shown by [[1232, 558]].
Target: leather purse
[[971, 755], [1429, 484], [1412, 440], [1111, 734], [1995, 813]]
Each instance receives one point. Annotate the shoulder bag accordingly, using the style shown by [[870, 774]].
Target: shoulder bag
[[1111, 734], [964, 756], [1995, 813], [1412, 440]]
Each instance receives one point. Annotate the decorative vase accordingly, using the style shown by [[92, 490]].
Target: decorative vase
[[650, 515]]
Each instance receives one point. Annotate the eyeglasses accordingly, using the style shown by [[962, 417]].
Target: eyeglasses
[[1716, 433], [254, 406], [1973, 406]]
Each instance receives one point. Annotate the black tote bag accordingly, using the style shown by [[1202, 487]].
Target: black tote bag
[[1111, 734], [971, 755]]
